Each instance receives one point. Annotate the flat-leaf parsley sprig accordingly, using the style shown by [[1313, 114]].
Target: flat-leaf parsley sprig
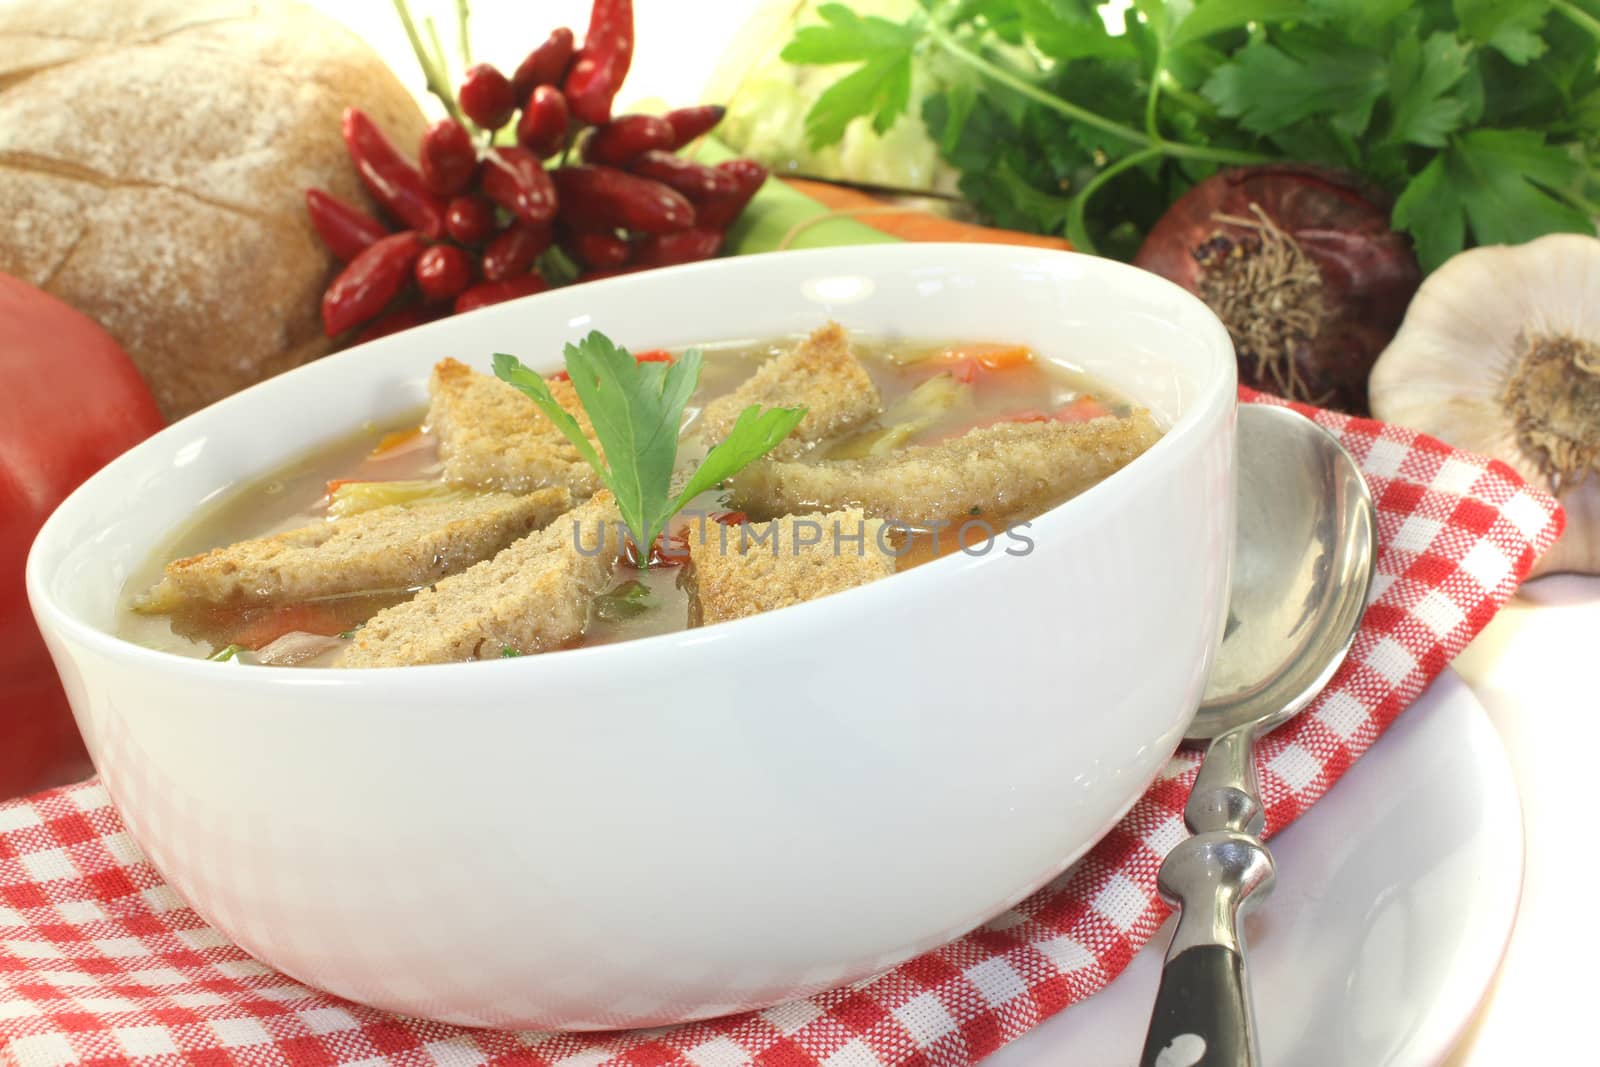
[[1480, 117], [636, 409]]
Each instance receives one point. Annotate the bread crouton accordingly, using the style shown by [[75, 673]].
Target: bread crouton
[[493, 437], [532, 597], [386, 549], [745, 570], [821, 373], [1001, 472]]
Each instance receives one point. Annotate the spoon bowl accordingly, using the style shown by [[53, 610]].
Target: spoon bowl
[[1302, 568]]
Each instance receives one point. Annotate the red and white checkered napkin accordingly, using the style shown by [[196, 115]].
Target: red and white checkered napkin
[[101, 963]]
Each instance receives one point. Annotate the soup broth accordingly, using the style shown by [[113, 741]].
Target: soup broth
[[931, 393]]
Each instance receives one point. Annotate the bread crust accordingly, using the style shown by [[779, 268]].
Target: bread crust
[[1000, 472], [387, 549], [491, 436], [154, 156], [822, 373], [532, 597], [745, 570]]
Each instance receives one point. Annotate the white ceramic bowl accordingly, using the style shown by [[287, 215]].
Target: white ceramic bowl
[[695, 823]]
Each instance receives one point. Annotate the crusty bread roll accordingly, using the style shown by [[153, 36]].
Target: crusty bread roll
[[153, 161]]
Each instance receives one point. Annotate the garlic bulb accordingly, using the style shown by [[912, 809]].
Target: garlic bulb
[[1499, 354]]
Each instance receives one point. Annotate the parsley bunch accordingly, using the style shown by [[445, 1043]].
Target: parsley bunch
[[636, 410], [1481, 117]]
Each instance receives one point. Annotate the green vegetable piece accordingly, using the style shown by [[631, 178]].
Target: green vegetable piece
[[636, 410], [909, 415], [507, 652], [223, 655], [626, 601]]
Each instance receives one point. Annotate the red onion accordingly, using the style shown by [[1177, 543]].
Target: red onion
[[1300, 263]]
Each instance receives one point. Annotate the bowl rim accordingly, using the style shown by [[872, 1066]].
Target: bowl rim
[[1209, 403]]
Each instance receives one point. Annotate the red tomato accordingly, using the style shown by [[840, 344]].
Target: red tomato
[[70, 401]]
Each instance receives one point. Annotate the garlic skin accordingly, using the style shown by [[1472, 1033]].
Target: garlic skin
[[1465, 338]]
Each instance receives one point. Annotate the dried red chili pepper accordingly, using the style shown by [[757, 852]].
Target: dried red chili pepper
[[469, 219], [395, 321], [514, 251], [514, 178], [690, 122], [448, 156], [443, 271], [595, 249], [394, 183], [748, 176], [486, 96], [485, 293], [542, 129], [695, 180], [610, 272], [601, 64], [627, 136], [370, 281], [545, 65], [344, 228], [604, 198], [685, 246]]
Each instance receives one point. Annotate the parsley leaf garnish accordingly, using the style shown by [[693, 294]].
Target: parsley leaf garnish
[[636, 410]]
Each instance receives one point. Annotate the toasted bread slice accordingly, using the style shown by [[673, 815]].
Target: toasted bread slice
[[821, 373], [386, 549], [493, 437], [532, 597], [745, 570], [1001, 472]]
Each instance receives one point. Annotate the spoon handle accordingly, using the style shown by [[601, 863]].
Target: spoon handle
[[1202, 1016]]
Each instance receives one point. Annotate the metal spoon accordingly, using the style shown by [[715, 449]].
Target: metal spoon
[[1303, 562]]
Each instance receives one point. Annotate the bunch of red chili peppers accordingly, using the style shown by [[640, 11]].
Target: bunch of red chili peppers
[[475, 221]]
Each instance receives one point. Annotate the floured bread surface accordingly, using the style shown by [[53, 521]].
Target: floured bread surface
[[491, 436], [532, 597], [821, 373], [154, 157], [383, 550], [997, 471], [745, 570]]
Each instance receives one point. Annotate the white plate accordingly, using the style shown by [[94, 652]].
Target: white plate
[[1396, 895]]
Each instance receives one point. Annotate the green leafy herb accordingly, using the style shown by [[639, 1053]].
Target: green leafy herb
[[881, 88], [1481, 117], [507, 652], [627, 600], [636, 410], [223, 655]]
